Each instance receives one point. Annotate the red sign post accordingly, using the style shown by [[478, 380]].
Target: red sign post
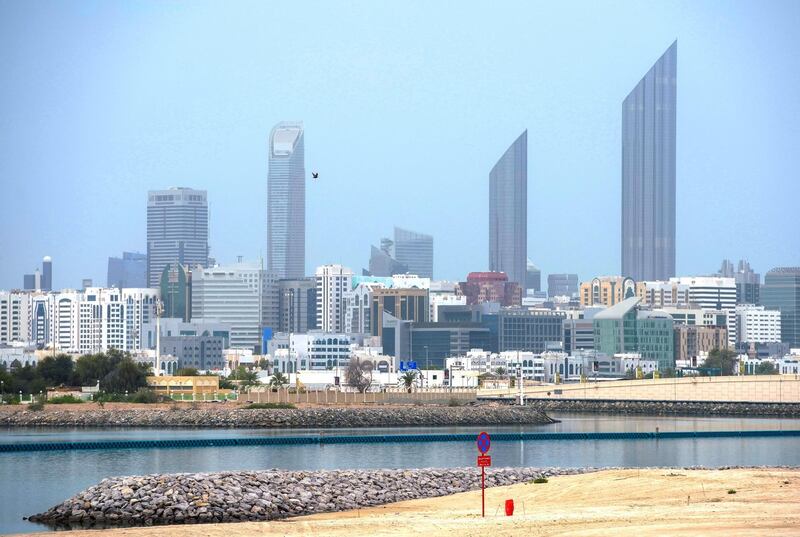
[[484, 460]]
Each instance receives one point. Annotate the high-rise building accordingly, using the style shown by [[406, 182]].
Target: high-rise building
[[490, 287], [756, 324], [241, 295], [414, 251], [333, 282], [531, 330], [176, 292], [648, 173], [713, 293], [14, 317], [781, 291], [562, 285], [130, 270], [748, 282], [47, 273], [409, 304], [382, 262], [508, 212], [286, 201], [298, 305], [177, 230], [533, 279]]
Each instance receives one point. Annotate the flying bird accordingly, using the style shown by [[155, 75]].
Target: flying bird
[[315, 175]]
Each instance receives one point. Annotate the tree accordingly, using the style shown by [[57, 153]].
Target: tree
[[278, 380], [408, 379], [93, 367], [500, 371], [766, 368], [245, 377], [359, 374], [187, 372], [722, 359], [127, 376], [56, 370], [263, 364]]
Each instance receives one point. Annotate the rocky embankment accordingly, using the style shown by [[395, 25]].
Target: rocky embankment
[[326, 417], [687, 408], [265, 495]]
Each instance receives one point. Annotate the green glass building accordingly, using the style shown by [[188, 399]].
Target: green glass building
[[781, 291], [176, 292], [624, 328]]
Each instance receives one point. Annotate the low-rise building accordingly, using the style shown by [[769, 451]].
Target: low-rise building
[[756, 324]]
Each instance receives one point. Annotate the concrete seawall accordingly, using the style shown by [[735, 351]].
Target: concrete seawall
[[686, 408]]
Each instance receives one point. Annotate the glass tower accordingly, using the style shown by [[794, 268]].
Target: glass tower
[[648, 173], [781, 291], [415, 251], [286, 201], [177, 230], [508, 212]]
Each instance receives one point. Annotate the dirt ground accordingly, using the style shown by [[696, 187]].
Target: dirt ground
[[619, 502]]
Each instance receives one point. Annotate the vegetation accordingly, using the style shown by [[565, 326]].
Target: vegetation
[[359, 375], [187, 372], [278, 380], [260, 406], [64, 400], [408, 379], [244, 376], [455, 402], [36, 406], [539, 480], [766, 368], [722, 359], [731, 491]]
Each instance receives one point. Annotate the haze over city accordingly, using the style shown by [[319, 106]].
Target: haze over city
[[404, 117]]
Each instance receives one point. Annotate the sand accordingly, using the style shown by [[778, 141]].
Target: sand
[[615, 502]]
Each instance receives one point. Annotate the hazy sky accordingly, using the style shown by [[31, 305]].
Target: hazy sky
[[407, 106]]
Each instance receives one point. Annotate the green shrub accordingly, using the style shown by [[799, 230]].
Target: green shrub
[[539, 480], [36, 406], [454, 402], [64, 400], [260, 406], [143, 395], [731, 491]]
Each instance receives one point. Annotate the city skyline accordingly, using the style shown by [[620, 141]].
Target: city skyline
[[217, 146]]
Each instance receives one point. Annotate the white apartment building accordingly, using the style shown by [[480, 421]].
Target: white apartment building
[[755, 324], [107, 318], [658, 294], [358, 306], [444, 300], [333, 281], [243, 296], [14, 317], [713, 292]]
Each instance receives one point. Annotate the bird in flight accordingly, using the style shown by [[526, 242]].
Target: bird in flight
[[315, 175]]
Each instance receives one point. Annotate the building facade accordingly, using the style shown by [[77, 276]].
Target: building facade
[[695, 341], [176, 291], [130, 270], [648, 173], [332, 282], [562, 285], [286, 201], [177, 230], [490, 287], [713, 293], [202, 352], [781, 291], [756, 324], [407, 304], [414, 250], [298, 305], [508, 212], [606, 291], [517, 329], [14, 317], [748, 282]]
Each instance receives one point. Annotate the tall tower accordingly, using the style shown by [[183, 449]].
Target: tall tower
[[177, 230], [414, 250], [286, 201], [508, 212], [47, 273], [648, 173]]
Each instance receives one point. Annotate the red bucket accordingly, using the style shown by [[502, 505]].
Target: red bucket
[[509, 507]]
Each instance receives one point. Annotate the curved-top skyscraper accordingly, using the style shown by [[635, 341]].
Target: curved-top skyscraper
[[286, 201], [648, 173], [508, 212]]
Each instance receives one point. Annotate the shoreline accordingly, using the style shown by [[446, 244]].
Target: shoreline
[[256, 500]]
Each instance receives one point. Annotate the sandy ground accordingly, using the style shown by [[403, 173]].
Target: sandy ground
[[619, 502]]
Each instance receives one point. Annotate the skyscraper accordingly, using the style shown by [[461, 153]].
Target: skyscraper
[[177, 230], [781, 291], [47, 273], [130, 270], [648, 173], [415, 251], [508, 212], [286, 201]]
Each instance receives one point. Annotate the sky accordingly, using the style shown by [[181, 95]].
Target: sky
[[407, 105]]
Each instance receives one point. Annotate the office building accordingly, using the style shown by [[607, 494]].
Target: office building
[[781, 291], [332, 281], [533, 278], [508, 212], [648, 173], [297, 308], [415, 251], [32, 282], [201, 352], [490, 287], [606, 291], [409, 304], [358, 307], [286, 201], [243, 296], [694, 342], [177, 230], [748, 282], [130, 270], [171, 327], [578, 331], [756, 324], [562, 285], [517, 329], [662, 294], [626, 328], [382, 262], [47, 273], [713, 293], [176, 291]]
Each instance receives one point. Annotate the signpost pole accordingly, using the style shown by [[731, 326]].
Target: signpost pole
[[484, 460], [483, 491]]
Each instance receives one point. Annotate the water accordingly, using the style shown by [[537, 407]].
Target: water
[[31, 482]]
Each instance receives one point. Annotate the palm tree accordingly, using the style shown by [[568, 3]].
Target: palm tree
[[278, 380], [408, 379]]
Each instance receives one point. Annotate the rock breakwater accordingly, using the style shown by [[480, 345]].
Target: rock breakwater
[[264, 495], [688, 408], [324, 417]]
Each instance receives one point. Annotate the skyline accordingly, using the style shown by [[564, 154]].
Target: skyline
[[732, 140]]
